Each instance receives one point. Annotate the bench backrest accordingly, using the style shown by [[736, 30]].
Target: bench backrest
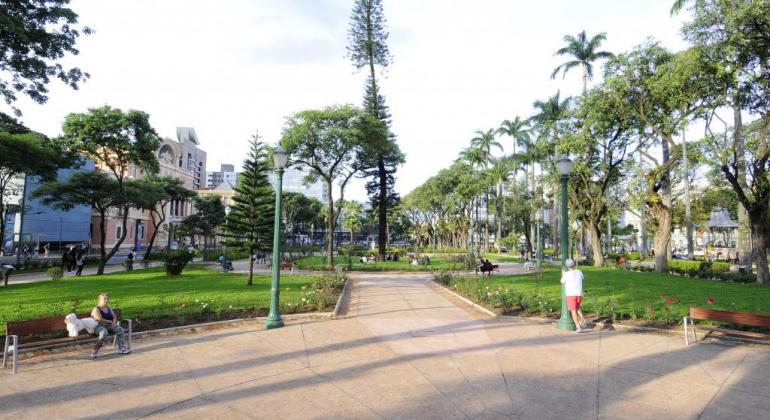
[[740, 318], [44, 325]]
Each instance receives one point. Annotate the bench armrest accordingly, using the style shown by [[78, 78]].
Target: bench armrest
[[129, 329]]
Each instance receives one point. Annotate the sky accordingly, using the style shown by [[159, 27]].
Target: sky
[[230, 68]]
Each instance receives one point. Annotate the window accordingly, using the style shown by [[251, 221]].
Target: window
[[119, 232]]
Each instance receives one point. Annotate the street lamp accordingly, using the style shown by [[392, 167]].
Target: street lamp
[[274, 319], [224, 243], [539, 240], [564, 165]]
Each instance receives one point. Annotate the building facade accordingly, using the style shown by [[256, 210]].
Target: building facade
[[226, 173], [294, 181], [181, 159]]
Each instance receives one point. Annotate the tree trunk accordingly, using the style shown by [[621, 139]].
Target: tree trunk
[[687, 209], [102, 240], [761, 236], [251, 268], [330, 228], [662, 239], [382, 231], [152, 239], [744, 223], [498, 213], [594, 234], [528, 238]]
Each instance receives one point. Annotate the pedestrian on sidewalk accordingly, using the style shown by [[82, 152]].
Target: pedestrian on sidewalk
[[71, 259], [130, 260], [572, 279], [65, 259], [80, 261], [46, 247], [108, 323]]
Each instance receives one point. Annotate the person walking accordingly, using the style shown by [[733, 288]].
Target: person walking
[[46, 247], [71, 258], [80, 261], [572, 279], [130, 260], [65, 259]]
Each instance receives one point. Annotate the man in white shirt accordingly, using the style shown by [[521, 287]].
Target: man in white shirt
[[572, 280]]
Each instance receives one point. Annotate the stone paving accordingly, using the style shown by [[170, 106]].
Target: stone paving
[[407, 349]]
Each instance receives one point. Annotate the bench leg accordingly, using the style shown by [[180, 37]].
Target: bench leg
[[686, 343], [5, 350], [15, 353], [130, 330], [694, 335]]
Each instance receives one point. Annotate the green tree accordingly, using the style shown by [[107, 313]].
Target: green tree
[[584, 53], [23, 152], [209, 216], [252, 213], [351, 211], [116, 141], [35, 35], [300, 211], [96, 189], [156, 195], [327, 142], [733, 38], [367, 47]]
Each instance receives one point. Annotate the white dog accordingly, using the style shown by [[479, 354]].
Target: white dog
[[74, 325]]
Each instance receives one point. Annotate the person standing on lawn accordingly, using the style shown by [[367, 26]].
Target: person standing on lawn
[[572, 279], [108, 323], [65, 259], [80, 261]]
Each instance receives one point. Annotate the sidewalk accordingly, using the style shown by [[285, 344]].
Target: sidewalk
[[406, 349]]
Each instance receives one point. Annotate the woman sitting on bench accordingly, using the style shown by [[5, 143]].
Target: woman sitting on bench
[[108, 323]]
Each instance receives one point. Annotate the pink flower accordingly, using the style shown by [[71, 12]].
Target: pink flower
[[669, 300], [710, 300], [662, 294], [184, 305]]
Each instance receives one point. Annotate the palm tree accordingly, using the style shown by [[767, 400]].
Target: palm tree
[[484, 141], [518, 131], [584, 52], [499, 174]]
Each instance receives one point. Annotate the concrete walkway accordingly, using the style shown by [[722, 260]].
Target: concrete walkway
[[407, 349]]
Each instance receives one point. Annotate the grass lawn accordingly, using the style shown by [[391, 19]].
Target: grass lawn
[[508, 258], [150, 293], [626, 295], [319, 263]]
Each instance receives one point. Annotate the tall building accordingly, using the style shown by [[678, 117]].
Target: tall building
[[226, 172], [294, 181]]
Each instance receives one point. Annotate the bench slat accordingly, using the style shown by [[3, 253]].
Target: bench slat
[[44, 325], [56, 341], [740, 318], [749, 334]]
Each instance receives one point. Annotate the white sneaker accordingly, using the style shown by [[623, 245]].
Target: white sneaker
[[578, 330]]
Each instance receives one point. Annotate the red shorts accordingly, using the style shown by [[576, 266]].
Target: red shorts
[[573, 302]]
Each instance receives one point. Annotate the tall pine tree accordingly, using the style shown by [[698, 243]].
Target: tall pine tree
[[249, 225], [367, 47]]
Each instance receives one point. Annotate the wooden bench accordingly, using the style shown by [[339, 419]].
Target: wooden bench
[[42, 333], [737, 318], [487, 268]]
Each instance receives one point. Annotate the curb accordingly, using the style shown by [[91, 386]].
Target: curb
[[344, 295], [470, 303]]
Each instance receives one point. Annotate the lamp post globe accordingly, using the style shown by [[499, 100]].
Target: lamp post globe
[[564, 165], [274, 320]]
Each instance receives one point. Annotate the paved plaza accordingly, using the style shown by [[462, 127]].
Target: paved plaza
[[406, 349]]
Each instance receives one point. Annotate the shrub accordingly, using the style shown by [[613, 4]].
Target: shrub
[[231, 255], [720, 267], [155, 256], [176, 261], [684, 266], [55, 273], [738, 277], [635, 256]]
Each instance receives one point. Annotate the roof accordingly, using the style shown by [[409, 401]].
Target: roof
[[720, 219], [187, 133], [224, 186]]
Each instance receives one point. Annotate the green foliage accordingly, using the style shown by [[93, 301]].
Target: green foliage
[[232, 254], [35, 36], [300, 211], [55, 273], [584, 51], [176, 261]]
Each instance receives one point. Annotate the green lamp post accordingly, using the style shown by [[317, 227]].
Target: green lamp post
[[565, 167], [539, 240], [274, 319]]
